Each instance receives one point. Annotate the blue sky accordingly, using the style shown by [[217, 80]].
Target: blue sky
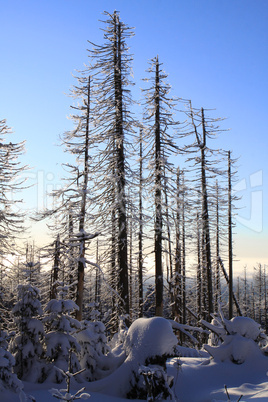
[[215, 53]]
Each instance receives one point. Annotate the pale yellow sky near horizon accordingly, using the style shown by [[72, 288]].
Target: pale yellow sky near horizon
[[249, 248]]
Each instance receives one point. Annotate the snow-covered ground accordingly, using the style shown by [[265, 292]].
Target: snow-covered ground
[[236, 362], [194, 381], [197, 381]]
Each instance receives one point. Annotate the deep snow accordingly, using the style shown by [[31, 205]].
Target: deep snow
[[196, 379]]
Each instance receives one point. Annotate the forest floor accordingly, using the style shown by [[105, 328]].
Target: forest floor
[[195, 380]]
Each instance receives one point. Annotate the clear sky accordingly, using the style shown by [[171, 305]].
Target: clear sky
[[215, 52]]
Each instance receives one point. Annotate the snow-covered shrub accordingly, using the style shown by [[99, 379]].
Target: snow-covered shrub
[[4, 310], [236, 340], [94, 349], [149, 342], [120, 336], [60, 339], [5, 338], [27, 345], [92, 312], [8, 379], [148, 338], [65, 394], [157, 384]]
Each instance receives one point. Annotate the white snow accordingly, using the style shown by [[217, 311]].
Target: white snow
[[146, 337], [235, 348], [149, 337], [244, 326], [196, 379], [200, 379]]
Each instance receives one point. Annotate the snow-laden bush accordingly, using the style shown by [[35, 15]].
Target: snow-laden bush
[[8, 379], [148, 338], [120, 336], [5, 309], [60, 339], [64, 394], [27, 345], [149, 341], [157, 384], [94, 350], [236, 340], [5, 338]]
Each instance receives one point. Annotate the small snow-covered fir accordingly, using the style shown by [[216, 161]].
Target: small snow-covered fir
[[60, 339], [27, 345], [94, 349], [8, 379]]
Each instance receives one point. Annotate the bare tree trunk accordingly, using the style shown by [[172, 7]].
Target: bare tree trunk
[[140, 256], [97, 278], [199, 270], [227, 281], [120, 165], [260, 293], [158, 203], [169, 268], [131, 284], [72, 289], [204, 276], [265, 299], [230, 239], [245, 298], [114, 280], [183, 255], [253, 313], [238, 289], [55, 275], [205, 220], [218, 279], [82, 237], [169, 260], [178, 257]]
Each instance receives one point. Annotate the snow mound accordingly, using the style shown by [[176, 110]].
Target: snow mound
[[146, 339], [237, 339], [244, 326], [236, 348], [183, 351], [149, 337]]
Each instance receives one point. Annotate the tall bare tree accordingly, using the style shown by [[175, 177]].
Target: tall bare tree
[[159, 108], [230, 237], [110, 65], [11, 182], [140, 236], [207, 165]]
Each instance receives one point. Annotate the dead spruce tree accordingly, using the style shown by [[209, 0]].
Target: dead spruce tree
[[208, 165], [180, 250], [79, 142], [140, 252], [232, 198], [95, 190], [110, 66], [11, 182], [158, 119], [72, 199]]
